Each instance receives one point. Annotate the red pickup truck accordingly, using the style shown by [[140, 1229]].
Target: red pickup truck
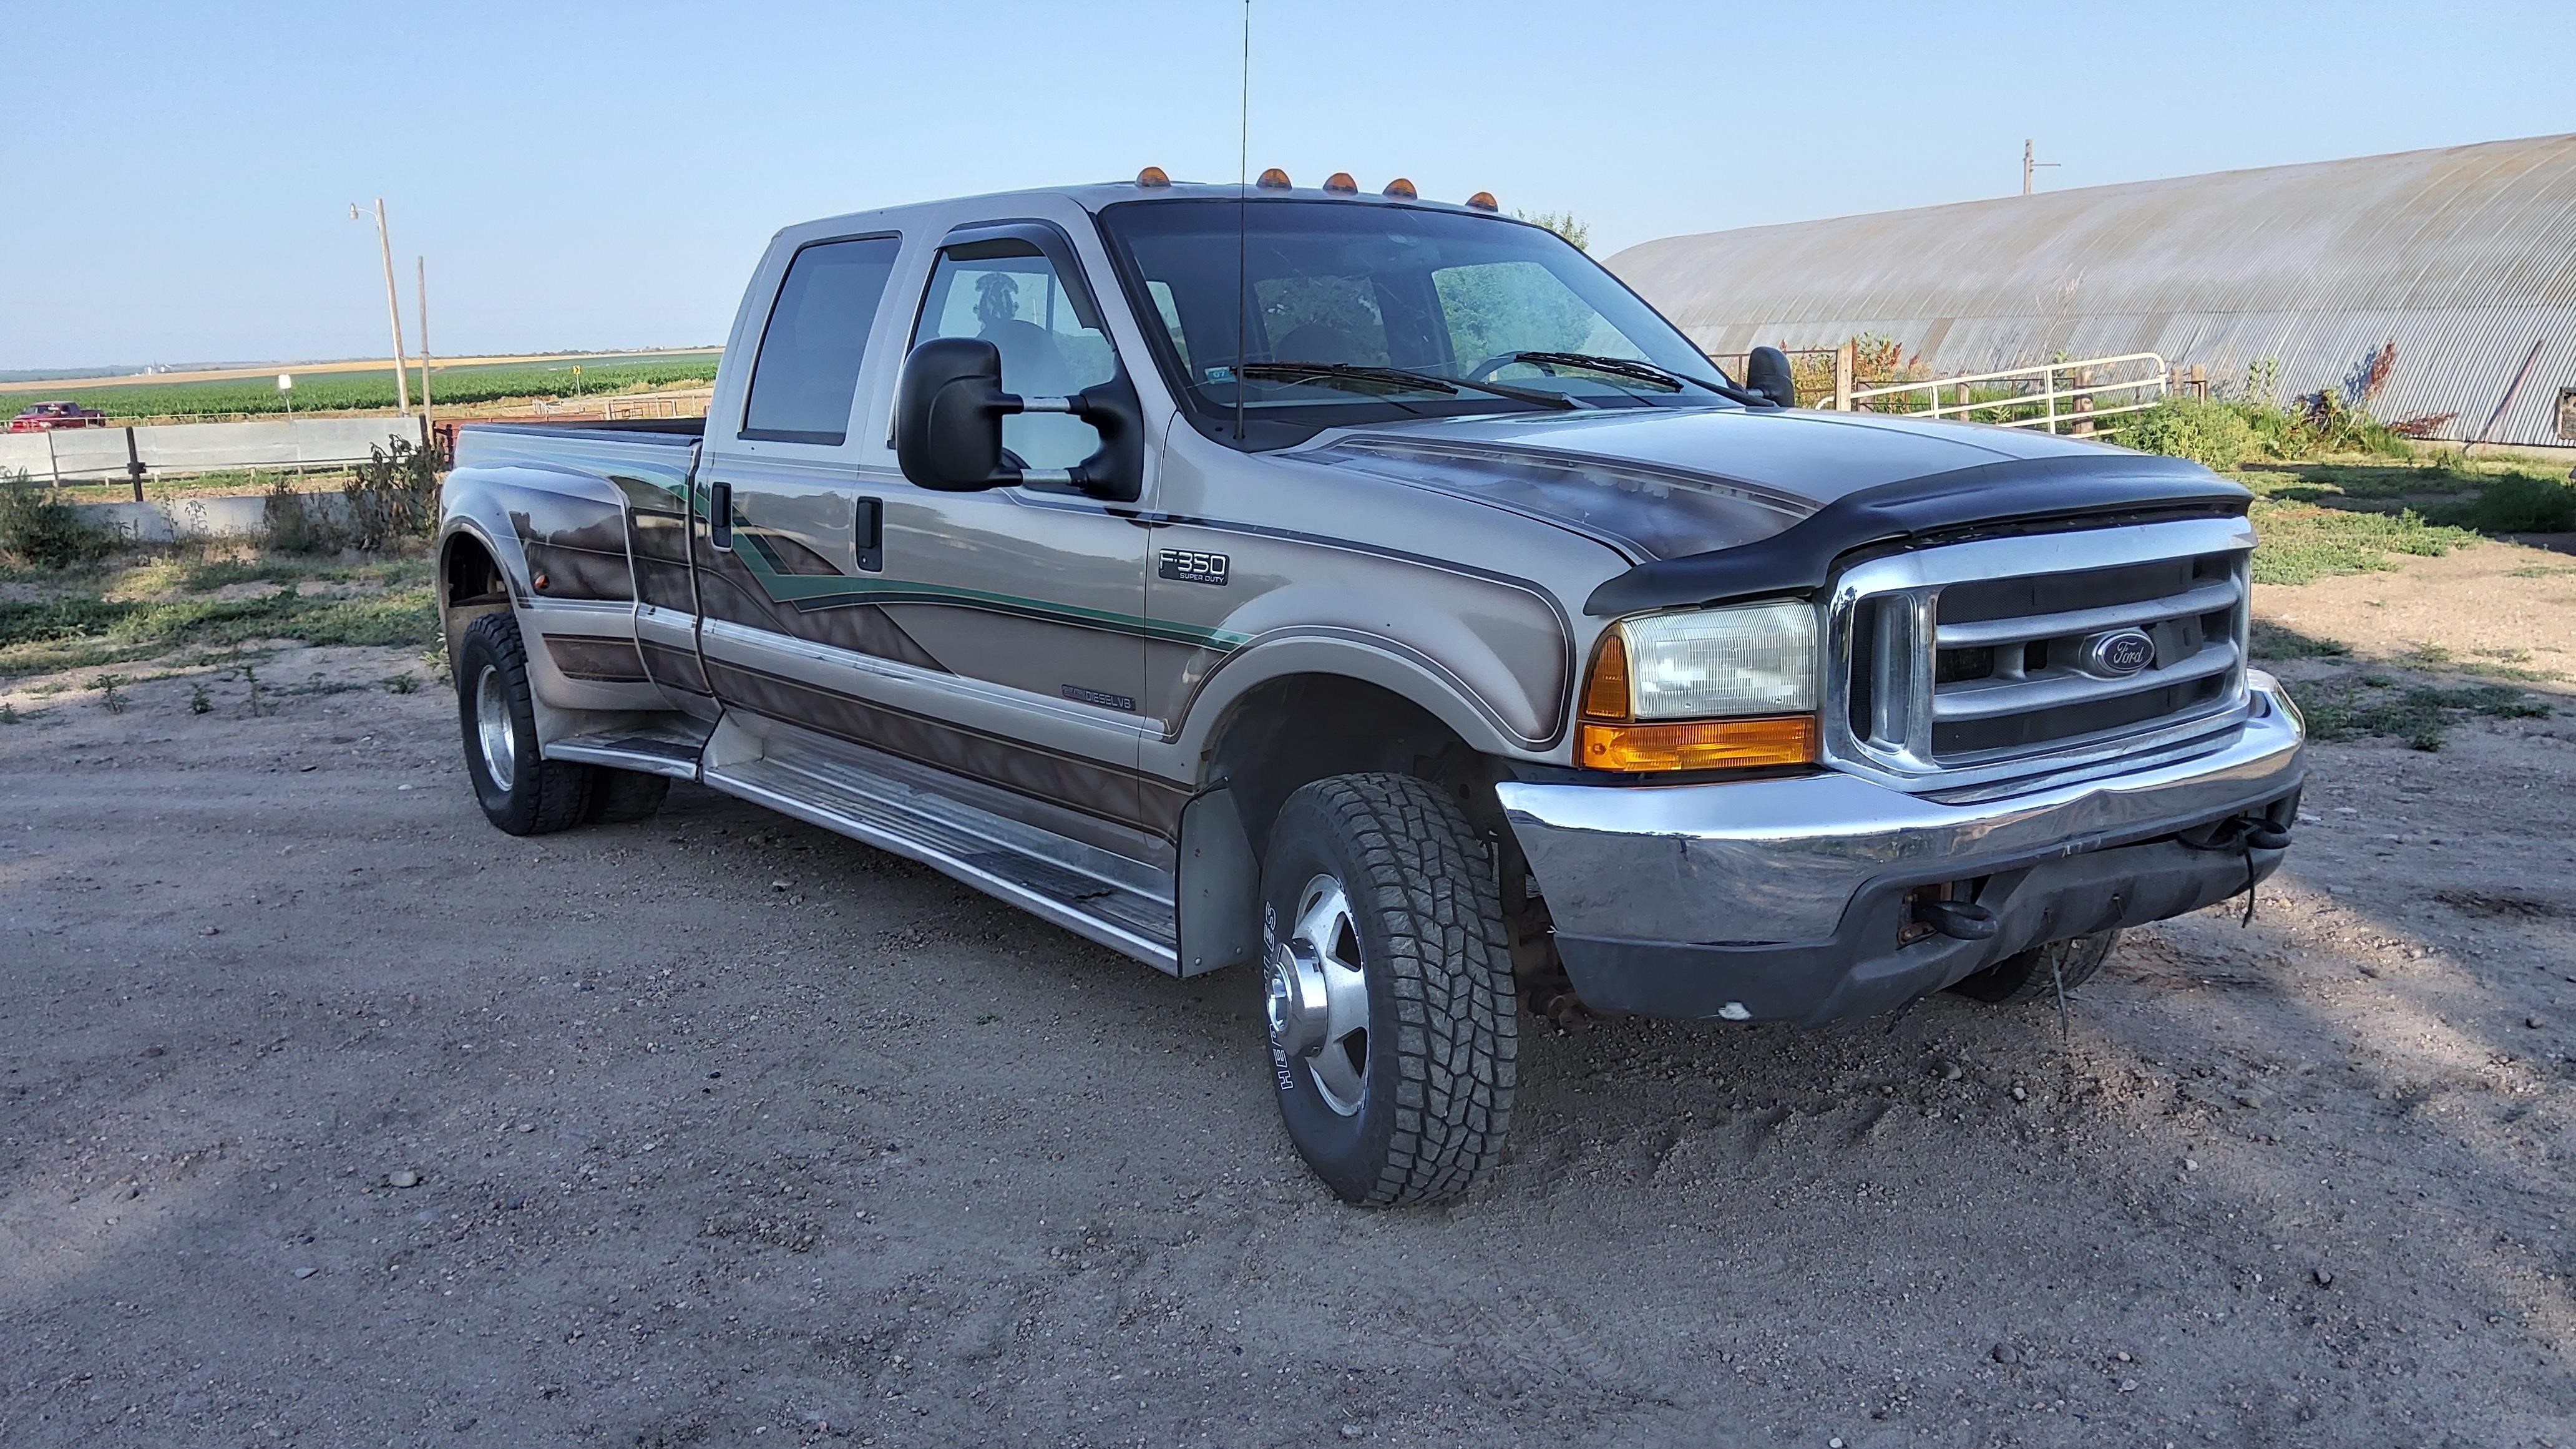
[[46, 416]]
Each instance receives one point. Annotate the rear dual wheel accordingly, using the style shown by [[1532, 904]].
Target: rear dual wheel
[[1388, 985], [520, 790]]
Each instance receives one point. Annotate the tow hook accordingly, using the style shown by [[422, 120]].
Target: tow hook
[[1958, 920], [2238, 832]]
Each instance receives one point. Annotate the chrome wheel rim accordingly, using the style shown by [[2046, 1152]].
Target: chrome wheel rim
[[1317, 987], [492, 727]]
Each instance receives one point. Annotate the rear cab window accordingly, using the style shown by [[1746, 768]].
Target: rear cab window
[[804, 379]]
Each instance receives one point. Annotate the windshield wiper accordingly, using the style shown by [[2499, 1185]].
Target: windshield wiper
[[1329, 373], [1630, 367]]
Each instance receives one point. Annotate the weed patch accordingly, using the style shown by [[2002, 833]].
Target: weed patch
[[2276, 641], [84, 630], [2301, 542], [2353, 707]]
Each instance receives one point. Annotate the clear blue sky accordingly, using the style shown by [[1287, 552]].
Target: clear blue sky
[[603, 175]]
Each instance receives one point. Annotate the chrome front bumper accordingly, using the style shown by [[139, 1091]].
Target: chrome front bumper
[[1669, 898]]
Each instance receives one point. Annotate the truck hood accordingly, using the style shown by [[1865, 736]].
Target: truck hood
[[1658, 483]]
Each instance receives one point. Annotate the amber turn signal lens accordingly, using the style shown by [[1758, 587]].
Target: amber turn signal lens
[[1708, 744], [1605, 692]]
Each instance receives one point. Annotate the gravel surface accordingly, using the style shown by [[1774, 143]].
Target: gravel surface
[[332, 1116]]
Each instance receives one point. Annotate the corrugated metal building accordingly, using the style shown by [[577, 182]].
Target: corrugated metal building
[[2464, 257]]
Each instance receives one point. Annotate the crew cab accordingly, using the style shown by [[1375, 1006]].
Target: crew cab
[[1374, 598]]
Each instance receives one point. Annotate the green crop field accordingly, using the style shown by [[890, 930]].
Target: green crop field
[[343, 391]]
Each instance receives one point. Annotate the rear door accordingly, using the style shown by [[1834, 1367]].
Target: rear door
[[787, 544]]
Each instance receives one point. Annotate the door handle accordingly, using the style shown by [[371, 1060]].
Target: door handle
[[720, 515], [868, 531]]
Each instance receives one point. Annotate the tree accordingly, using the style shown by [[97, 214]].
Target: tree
[[1563, 223]]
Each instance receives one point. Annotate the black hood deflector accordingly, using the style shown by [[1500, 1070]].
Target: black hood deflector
[[2002, 497]]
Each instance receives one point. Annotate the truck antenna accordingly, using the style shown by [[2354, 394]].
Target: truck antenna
[[1243, 226]]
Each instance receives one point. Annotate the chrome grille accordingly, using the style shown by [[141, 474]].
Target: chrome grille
[[1997, 658]]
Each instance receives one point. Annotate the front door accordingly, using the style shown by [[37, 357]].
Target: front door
[[1033, 597]]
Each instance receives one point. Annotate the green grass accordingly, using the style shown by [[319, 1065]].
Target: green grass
[[2364, 706], [83, 628], [350, 391]]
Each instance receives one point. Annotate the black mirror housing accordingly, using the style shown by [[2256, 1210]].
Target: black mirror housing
[[1766, 375], [948, 411]]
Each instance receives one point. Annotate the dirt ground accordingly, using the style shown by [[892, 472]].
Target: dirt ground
[[719, 1129]]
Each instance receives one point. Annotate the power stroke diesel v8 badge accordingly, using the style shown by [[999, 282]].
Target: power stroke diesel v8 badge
[[1193, 568]]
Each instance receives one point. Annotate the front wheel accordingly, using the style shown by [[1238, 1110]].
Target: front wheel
[[2040, 972], [1393, 1032], [520, 790]]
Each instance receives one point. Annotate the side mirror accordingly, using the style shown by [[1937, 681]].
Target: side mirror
[[948, 411], [1766, 375]]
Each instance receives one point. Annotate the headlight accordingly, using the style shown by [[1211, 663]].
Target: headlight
[[1708, 689], [1722, 663]]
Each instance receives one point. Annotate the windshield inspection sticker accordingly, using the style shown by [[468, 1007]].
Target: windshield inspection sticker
[[1220, 374], [1194, 568]]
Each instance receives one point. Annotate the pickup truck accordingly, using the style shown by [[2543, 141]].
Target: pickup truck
[[1376, 594], [46, 417]]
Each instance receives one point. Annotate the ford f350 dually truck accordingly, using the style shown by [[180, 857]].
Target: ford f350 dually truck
[[1376, 594]]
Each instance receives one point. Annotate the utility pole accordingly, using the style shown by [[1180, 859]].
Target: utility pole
[[393, 307], [420, 288], [2028, 166]]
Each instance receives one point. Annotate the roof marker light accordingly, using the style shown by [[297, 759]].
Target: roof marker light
[[1274, 179], [1341, 184], [1153, 176], [1402, 190], [1483, 201]]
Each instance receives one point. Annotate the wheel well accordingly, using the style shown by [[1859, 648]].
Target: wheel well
[[470, 583], [1295, 730]]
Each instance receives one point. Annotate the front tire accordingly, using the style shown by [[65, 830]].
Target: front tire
[[2040, 972], [521, 791], [1394, 1031]]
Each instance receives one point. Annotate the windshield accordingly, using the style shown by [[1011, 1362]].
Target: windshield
[[1363, 313]]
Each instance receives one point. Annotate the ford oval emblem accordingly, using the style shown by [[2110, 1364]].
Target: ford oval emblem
[[2120, 652]]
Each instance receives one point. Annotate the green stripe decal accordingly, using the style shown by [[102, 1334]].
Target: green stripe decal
[[809, 592]]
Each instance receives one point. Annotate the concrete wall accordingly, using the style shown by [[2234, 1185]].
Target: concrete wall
[[90, 454], [230, 515]]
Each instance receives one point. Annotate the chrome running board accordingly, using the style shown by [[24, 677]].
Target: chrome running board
[[661, 748], [1124, 904]]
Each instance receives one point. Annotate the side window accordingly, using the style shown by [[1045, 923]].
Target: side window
[[1007, 293], [807, 373]]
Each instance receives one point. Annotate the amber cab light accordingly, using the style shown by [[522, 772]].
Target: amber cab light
[[1707, 744], [1402, 190], [1273, 179], [1341, 184]]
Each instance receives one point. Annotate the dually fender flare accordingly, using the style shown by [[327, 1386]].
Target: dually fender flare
[[1369, 659]]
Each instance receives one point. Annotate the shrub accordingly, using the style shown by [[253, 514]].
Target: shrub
[[289, 523], [2214, 435], [39, 526], [393, 498]]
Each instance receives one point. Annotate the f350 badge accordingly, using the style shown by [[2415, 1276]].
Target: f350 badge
[[1190, 567]]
